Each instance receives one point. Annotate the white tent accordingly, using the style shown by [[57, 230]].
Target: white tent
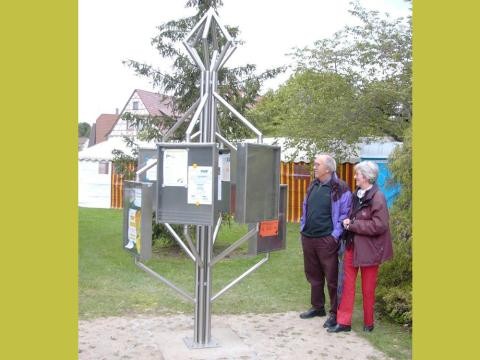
[[95, 172]]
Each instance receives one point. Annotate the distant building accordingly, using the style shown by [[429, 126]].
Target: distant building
[[142, 103], [95, 168]]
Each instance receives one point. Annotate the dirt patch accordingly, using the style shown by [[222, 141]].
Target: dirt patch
[[269, 336]]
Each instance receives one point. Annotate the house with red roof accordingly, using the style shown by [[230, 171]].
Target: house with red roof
[[142, 103], [102, 126], [95, 162]]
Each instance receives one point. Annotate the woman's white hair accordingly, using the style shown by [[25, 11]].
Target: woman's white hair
[[368, 169]]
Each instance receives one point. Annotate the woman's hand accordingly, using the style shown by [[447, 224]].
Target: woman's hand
[[346, 223]]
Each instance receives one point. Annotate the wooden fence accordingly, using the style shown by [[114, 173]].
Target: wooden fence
[[116, 201]]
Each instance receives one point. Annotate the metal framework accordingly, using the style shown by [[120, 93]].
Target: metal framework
[[208, 35]]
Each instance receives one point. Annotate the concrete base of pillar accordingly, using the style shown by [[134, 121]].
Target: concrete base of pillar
[[226, 344]]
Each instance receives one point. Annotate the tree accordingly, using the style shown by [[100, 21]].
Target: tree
[[355, 84], [84, 129], [240, 86], [310, 108], [376, 56]]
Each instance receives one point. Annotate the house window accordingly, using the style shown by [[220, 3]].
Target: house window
[[103, 167], [135, 105]]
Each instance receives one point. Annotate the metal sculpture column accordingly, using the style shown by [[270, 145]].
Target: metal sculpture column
[[204, 38], [210, 45]]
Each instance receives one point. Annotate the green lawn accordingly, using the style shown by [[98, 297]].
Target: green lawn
[[111, 285]]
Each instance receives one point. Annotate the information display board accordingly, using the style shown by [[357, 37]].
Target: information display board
[[187, 183], [257, 183], [137, 218]]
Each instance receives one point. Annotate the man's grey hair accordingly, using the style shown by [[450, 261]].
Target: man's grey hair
[[329, 162], [368, 169]]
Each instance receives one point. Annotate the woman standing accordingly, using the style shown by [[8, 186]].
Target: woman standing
[[368, 244]]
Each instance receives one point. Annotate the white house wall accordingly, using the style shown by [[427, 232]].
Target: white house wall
[[94, 189], [121, 128]]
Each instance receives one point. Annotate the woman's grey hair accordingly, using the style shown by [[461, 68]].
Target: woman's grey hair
[[368, 169], [329, 162]]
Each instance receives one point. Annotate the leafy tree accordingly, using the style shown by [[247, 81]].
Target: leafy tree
[[84, 129], [355, 84], [310, 108], [375, 49]]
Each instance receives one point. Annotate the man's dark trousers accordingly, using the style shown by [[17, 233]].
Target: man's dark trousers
[[321, 262]]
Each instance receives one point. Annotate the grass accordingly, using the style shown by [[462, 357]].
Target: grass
[[111, 285]]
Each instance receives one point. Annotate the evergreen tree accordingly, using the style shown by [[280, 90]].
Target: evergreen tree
[[240, 86]]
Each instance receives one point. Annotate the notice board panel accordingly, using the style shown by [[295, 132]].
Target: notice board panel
[[137, 218], [257, 182], [187, 183]]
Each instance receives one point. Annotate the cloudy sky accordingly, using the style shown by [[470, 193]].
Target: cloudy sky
[[114, 30]]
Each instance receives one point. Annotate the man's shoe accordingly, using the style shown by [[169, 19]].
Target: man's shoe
[[339, 328], [312, 312], [368, 328], [331, 321]]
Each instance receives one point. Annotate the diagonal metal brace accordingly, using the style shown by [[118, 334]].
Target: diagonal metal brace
[[192, 247], [241, 277], [145, 168], [181, 120], [180, 242], [239, 116], [165, 281], [232, 247]]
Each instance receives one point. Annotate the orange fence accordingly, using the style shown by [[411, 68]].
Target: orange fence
[[296, 175], [345, 172], [116, 201]]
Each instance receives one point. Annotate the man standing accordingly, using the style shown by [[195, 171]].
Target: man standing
[[325, 206]]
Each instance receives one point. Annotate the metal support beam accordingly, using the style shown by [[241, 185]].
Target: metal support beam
[[180, 242], [232, 50], [241, 277], [226, 142], [192, 247], [195, 117], [217, 227], [197, 134], [232, 247], [240, 117], [196, 27], [181, 120], [193, 53], [143, 169], [165, 281]]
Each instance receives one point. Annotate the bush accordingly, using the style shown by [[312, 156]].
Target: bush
[[394, 292], [162, 237], [396, 303]]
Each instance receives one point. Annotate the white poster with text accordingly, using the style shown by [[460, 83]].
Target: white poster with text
[[200, 185]]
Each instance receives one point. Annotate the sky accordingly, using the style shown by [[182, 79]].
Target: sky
[[111, 31]]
